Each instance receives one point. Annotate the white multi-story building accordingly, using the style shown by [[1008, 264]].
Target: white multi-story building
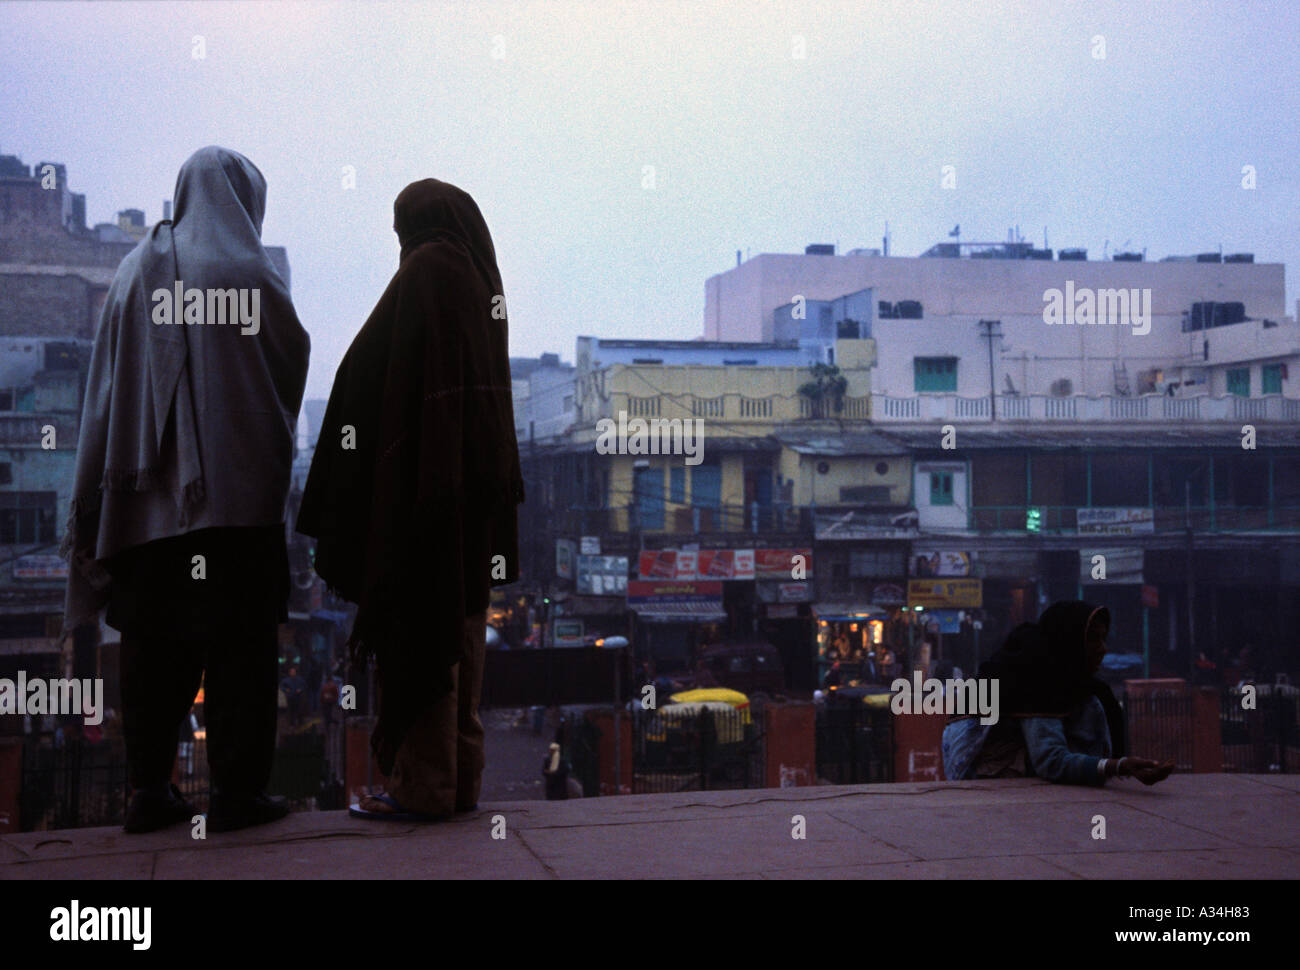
[[1182, 327], [544, 399]]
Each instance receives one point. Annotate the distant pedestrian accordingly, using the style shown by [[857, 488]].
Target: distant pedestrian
[[295, 691], [329, 697], [555, 771], [189, 728]]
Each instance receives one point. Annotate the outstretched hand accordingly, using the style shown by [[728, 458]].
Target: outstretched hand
[[1147, 771]]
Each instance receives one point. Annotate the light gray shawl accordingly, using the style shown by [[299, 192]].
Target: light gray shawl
[[187, 424]]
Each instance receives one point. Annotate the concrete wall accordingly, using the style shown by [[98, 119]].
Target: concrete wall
[[551, 403], [811, 487]]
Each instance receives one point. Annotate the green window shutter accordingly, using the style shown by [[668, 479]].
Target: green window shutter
[[941, 488], [1239, 381], [1271, 379], [934, 374]]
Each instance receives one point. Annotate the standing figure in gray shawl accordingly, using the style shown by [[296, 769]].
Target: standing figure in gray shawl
[[183, 466]]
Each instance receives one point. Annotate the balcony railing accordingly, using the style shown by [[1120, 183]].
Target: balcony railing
[[686, 520], [1167, 519], [1105, 409], [851, 408], [732, 407]]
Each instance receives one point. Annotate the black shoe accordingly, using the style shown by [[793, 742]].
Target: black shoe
[[231, 812], [150, 811]]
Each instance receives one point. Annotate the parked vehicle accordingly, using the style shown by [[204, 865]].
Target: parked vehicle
[[749, 666], [732, 699]]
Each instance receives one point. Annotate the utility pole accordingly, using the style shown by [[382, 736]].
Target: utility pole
[[1191, 578], [991, 329]]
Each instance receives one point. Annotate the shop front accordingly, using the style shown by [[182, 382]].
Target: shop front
[[784, 617], [674, 619], [851, 649]]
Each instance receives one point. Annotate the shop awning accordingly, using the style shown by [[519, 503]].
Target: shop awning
[[680, 613], [847, 611]]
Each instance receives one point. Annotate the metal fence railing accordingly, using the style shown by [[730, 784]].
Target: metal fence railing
[[1160, 727], [701, 750], [73, 786], [855, 744], [83, 785], [1266, 738]]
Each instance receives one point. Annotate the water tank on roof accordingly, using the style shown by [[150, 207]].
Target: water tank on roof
[[1127, 258], [1232, 313], [1208, 258], [1239, 258], [1073, 254], [819, 249]]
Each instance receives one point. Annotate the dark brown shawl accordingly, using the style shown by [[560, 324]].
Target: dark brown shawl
[[410, 519]]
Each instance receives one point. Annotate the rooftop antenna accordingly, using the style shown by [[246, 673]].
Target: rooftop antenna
[[1045, 246], [886, 239]]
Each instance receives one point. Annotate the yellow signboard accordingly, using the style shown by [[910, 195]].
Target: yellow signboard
[[938, 594]]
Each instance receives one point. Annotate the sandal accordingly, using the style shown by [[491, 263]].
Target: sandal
[[398, 813]]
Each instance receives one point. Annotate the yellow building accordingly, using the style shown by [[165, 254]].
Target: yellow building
[[697, 446]]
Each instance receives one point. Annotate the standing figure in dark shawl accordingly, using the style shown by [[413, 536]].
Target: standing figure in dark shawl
[[413, 497], [1056, 720], [182, 479]]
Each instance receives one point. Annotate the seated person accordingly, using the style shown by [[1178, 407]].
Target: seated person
[[1056, 720]]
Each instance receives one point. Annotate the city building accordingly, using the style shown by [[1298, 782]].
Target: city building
[[543, 389], [673, 469], [1055, 412]]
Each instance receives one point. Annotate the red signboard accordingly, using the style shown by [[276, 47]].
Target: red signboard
[[725, 564], [657, 564], [781, 563]]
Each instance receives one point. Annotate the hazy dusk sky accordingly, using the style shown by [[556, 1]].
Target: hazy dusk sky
[[548, 114]]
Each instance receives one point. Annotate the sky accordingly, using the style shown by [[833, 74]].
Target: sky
[[623, 152]]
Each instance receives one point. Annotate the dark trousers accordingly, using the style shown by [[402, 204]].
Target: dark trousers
[[222, 632], [161, 673]]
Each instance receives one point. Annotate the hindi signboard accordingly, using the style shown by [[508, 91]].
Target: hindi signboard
[[945, 593], [1115, 521]]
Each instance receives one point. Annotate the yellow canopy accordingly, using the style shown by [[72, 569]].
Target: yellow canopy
[[733, 697]]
